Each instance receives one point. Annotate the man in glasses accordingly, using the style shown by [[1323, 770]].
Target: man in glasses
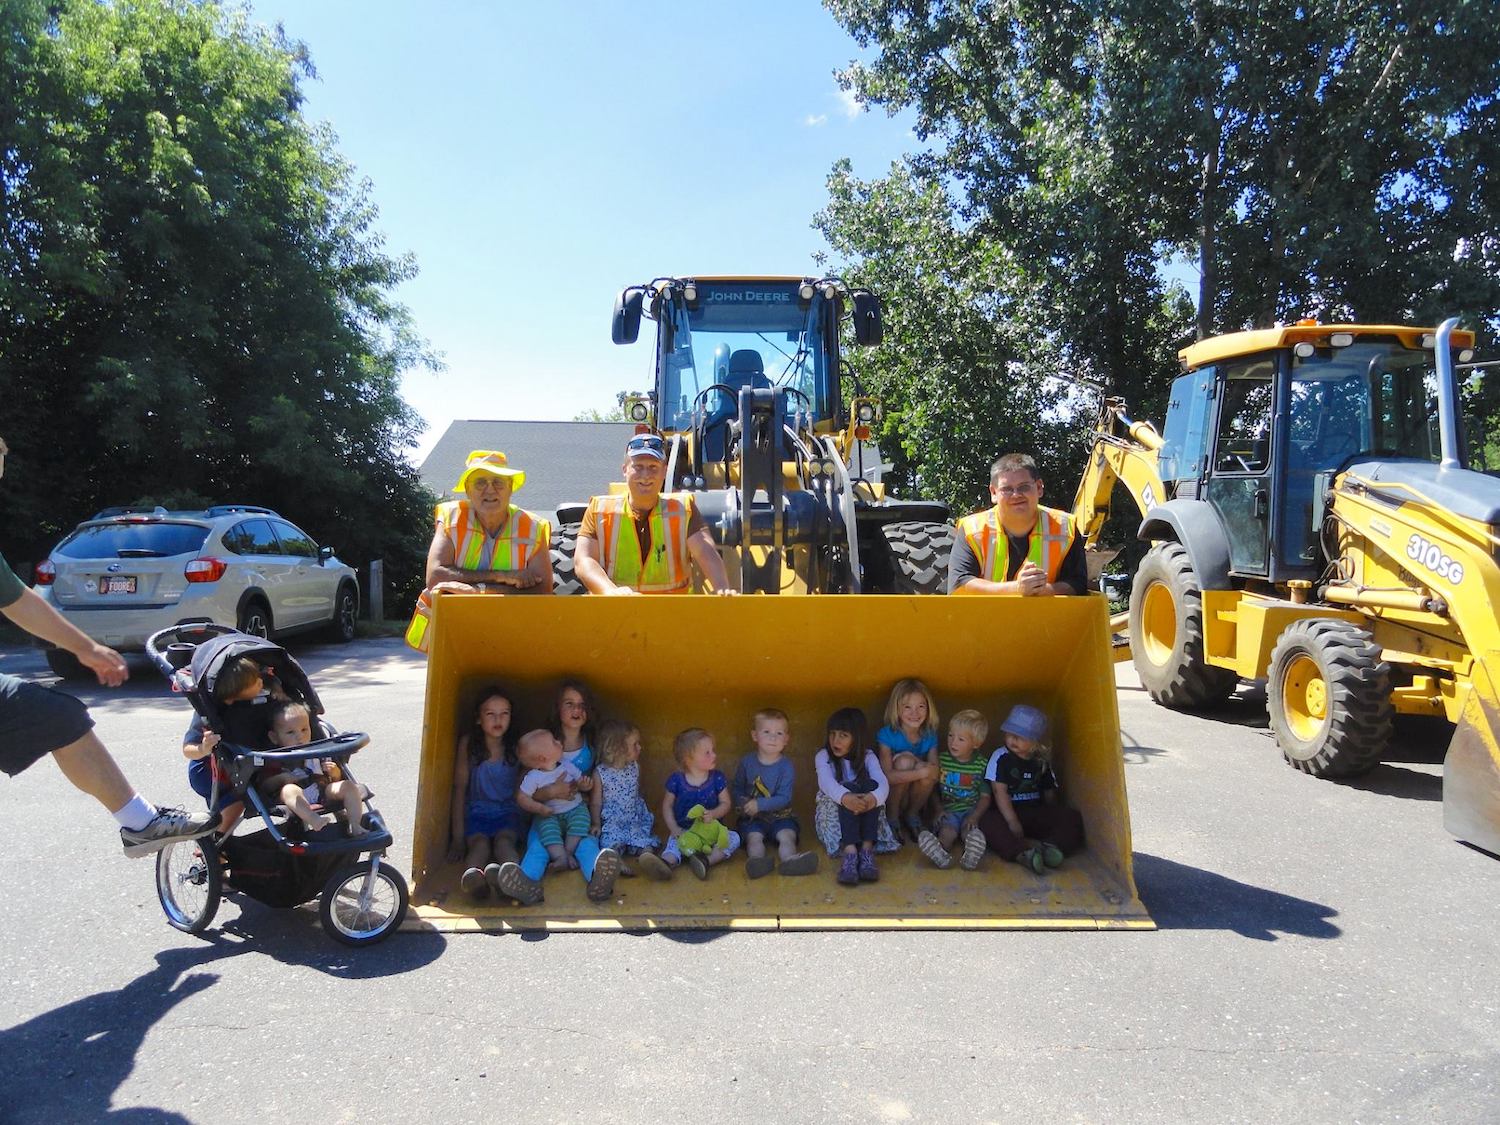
[[1018, 546], [644, 542]]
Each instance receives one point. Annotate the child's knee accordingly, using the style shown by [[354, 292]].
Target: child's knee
[[903, 762]]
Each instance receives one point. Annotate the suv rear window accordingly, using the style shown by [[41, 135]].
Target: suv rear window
[[134, 541]]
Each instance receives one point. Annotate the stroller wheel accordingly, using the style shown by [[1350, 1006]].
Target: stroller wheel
[[189, 883], [357, 909]]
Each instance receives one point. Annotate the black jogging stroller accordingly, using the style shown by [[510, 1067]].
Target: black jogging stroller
[[281, 864]]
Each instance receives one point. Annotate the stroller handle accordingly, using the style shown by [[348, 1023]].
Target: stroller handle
[[335, 746], [178, 641]]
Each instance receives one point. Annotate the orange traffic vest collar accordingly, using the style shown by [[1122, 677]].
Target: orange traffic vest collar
[[1046, 546]]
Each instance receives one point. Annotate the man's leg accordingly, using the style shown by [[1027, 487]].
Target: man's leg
[[144, 828]]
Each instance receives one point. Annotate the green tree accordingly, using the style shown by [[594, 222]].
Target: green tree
[[1311, 158], [194, 299]]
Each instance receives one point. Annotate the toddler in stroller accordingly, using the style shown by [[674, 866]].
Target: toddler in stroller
[[253, 705]]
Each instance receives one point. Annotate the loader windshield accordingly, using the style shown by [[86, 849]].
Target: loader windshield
[[742, 334], [1372, 396]]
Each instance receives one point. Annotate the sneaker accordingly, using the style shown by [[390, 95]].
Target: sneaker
[[1052, 855], [974, 849], [868, 872], [654, 866], [606, 870], [168, 826], [758, 865], [698, 864], [473, 882], [933, 849], [512, 881], [803, 863], [1032, 858], [849, 869]]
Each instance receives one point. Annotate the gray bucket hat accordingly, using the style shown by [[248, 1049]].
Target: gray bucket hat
[[1025, 721]]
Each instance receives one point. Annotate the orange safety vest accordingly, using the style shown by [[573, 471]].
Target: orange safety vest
[[1047, 545], [666, 569], [520, 538]]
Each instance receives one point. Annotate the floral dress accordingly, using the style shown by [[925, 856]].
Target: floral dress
[[626, 821]]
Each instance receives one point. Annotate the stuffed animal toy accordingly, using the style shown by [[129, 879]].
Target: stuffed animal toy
[[702, 835]]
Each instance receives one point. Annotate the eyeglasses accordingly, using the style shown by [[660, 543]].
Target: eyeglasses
[[479, 482], [1014, 490]]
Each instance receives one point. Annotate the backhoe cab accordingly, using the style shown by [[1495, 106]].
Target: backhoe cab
[[1316, 524]]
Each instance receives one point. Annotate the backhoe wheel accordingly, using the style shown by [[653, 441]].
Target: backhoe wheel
[[564, 581], [1166, 633], [1328, 695], [918, 556]]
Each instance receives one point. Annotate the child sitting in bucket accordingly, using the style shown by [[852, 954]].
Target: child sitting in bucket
[[621, 818], [484, 819], [696, 782], [1028, 824], [962, 796], [563, 822], [301, 787], [852, 790], [908, 754], [762, 792]]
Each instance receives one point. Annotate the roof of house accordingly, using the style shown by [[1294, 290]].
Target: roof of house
[[563, 461]]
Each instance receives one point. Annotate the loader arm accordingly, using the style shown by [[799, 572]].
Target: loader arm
[[1123, 451]]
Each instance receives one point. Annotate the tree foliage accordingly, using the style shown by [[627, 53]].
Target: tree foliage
[[195, 303], [1315, 158]]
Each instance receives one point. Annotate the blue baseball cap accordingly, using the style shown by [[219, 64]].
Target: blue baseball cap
[[646, 445], [1026, 722]]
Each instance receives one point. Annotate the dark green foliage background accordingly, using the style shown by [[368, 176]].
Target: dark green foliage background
[[195, 305]]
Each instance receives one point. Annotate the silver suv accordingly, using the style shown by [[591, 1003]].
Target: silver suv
[[126, 573]]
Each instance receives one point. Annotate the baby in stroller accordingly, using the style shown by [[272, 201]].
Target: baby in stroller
[[256, 713]]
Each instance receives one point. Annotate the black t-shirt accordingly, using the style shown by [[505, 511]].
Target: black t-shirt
[[963, 564], [1025, 779]]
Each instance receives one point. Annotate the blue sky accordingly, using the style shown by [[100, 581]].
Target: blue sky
[[538, 158]]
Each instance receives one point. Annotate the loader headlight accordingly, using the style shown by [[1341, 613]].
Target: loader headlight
[[1341, 339], [1466, 355], [638, 410], [866, 413]]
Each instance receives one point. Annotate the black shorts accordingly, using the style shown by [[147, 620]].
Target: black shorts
[[36, 720]]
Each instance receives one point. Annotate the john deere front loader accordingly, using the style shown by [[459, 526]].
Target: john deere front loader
[[749, 389], [1317, 524]]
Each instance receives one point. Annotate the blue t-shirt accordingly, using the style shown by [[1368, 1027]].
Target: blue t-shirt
[[685, 796], [494, 781], [894, 741], [581, 759]]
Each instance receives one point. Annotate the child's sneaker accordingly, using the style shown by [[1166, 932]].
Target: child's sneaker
[[511, 880], [803, 863], [759, 865], [849, 869], [933, 849], [868, 872], [1032, 858], [602, 881], [974, 848], [698, 864], [168, 826], [654, 866], [1052, 855], [473, 883]]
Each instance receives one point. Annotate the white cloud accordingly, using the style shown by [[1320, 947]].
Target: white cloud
[[851, 103], [812, 122]]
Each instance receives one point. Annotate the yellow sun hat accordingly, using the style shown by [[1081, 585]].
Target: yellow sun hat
[[490, 461]]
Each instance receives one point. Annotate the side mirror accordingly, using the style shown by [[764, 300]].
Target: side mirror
[[868, 328], [627, 324], [324, 554]]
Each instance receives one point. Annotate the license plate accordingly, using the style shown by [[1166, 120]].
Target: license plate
[[117, 584]]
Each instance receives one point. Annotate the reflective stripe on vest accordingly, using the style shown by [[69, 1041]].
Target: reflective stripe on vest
[[666, 568], [1046, 546], [512, 549]]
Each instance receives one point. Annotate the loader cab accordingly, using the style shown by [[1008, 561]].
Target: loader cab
[[1260, 435]]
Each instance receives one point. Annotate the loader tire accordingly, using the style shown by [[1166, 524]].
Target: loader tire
[[1328, 697], [564, 581], [918, 556], [1166, 633]]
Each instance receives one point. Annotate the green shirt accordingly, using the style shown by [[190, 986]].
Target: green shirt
[[11, 587], [960, 784]]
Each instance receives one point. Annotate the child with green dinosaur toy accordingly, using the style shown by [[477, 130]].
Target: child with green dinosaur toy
[[697, 787]]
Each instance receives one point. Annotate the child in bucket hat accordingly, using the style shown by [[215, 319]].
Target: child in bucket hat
[[1028, 823]]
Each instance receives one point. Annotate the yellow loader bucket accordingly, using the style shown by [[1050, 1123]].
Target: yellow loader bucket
[[668, 663], [1471, 769]]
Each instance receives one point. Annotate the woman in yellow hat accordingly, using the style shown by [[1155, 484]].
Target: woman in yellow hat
[[484, 543]]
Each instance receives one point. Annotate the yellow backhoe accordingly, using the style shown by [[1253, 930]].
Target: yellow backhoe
[[765, 427], [1315, 523]]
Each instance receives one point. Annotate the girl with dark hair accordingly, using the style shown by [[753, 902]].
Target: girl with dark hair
[[485, 817], [852, 789]]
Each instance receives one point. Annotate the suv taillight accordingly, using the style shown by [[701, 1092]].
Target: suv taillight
[[45, 573], [205, 570]]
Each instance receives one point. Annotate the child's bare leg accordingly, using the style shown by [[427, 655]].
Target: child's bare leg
[[786, 843], [504, 844], [230, 815], [570, 845], [947, 834], [558, 858], [292, 798], [349, 796], [918, 794], [755, 844], [717, 856], [476, 851]]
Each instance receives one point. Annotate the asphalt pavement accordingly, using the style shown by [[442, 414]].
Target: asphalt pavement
[[1326, 952]]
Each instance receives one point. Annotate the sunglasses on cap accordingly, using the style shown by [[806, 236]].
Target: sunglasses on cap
[[649, 445]]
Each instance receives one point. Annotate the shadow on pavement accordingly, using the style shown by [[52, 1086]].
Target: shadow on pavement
[[1179, 897], [1396, 781]]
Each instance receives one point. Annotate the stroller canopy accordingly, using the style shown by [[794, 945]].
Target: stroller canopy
[[211, 655]]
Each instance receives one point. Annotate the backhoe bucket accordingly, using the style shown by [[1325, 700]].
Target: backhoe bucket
[[1471, 769], [668, 663]]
